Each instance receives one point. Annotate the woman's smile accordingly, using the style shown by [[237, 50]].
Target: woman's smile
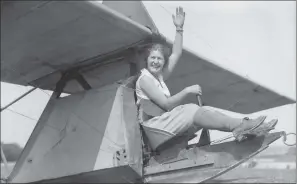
[[156, 66]]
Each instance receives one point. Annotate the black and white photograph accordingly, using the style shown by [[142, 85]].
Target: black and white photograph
[[148, 91]]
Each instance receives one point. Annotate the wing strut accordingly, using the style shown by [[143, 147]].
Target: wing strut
[[16, 100]]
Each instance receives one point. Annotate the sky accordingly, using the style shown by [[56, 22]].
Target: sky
[[252, 38]]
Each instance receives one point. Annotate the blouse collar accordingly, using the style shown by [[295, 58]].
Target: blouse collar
[[160, 77]]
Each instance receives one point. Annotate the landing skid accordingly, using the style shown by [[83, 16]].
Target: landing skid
[[201, 164]]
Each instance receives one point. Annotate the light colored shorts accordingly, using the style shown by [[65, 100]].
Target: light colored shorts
[[177, 121]]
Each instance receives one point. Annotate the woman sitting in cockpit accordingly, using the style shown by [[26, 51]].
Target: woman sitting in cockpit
[[174, 117]]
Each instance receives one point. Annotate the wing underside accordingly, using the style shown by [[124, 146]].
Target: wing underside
[[40, 40]]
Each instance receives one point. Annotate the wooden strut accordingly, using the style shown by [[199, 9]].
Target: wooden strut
[[205, 136], [4, 160], [67, 76]]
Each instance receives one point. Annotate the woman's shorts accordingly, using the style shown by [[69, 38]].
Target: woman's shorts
[[177, 121]]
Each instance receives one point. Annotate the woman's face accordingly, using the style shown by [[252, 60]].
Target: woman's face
[[155, 62]]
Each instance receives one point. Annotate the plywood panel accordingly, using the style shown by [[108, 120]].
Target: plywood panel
[[82, 133], [70, 139]]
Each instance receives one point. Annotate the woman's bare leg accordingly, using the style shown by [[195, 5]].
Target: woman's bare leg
[[215, 120], [212, 119]]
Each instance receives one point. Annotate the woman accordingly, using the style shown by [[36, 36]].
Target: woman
[[172, 116]]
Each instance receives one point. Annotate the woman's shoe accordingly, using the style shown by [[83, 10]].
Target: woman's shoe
[[246, 127], [264, 128]]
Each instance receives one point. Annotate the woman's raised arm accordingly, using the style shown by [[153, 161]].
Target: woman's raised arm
[[178, 21]]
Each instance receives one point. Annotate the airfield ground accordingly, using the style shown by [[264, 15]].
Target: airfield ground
[[245, 175], [271, 168], [257, 174]]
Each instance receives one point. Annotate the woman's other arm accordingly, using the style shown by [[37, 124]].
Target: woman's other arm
[[155, 95]]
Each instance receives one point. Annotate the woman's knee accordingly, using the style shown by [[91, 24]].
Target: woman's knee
[[200, 111]]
